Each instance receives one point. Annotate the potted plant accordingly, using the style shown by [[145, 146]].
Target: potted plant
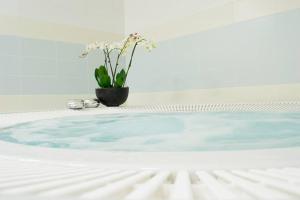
[[111, 77]]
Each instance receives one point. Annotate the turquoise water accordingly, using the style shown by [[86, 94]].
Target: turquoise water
[[161, 132]]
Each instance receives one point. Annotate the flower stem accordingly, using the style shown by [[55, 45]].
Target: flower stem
[[111, 69], [119, 55], [105, 59], [130, 62]]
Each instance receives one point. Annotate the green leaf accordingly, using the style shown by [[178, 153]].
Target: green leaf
[[97, 76], [102, 77], [105, 81], [120, 78], [102, 70]]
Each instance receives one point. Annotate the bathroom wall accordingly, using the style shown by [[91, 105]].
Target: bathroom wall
[[63, 20], [40, 44], [208, 50], [257, 52], [238, 51], [170, 19]]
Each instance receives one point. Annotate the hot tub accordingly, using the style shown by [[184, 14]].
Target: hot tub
[[216, 151]]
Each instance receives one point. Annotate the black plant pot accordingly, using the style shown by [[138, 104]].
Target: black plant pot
[[112, 96]]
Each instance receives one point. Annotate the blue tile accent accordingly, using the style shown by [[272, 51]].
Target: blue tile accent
[[39, 67], [10, 65], [72, 68], [69, 51], [256, 52], [74, 85], [39, 48], [10, 45], [33, 66], [10, 85], [40, 85]]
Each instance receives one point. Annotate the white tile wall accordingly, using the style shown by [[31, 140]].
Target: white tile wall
[[263, 51], [32, 66]]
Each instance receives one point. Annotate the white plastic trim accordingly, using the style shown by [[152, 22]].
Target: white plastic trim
[[44, 181]]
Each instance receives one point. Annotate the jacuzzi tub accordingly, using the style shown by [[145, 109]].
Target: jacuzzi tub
[[36, 172]]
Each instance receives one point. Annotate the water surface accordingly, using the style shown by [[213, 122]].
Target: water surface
[[162, 132]]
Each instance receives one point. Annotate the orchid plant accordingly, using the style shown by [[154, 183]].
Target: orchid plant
[[110, 75]]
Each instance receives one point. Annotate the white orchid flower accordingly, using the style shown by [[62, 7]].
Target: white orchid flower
[[91, 47], [104, 45], [149, 45], [128, 44]]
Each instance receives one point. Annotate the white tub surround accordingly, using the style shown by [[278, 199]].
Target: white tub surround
[[48, 173], [29, 172]]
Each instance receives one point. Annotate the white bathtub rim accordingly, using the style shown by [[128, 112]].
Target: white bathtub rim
[[263, 158]]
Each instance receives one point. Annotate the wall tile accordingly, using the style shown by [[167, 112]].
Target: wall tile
[[40, 85], [72, 68], [69, 51], [263, 51], [39, 67], [92, 85], [42, 67], [95, 59], [10, 65], [10, 85], [10, 45], [39, 48], [73, 85]]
